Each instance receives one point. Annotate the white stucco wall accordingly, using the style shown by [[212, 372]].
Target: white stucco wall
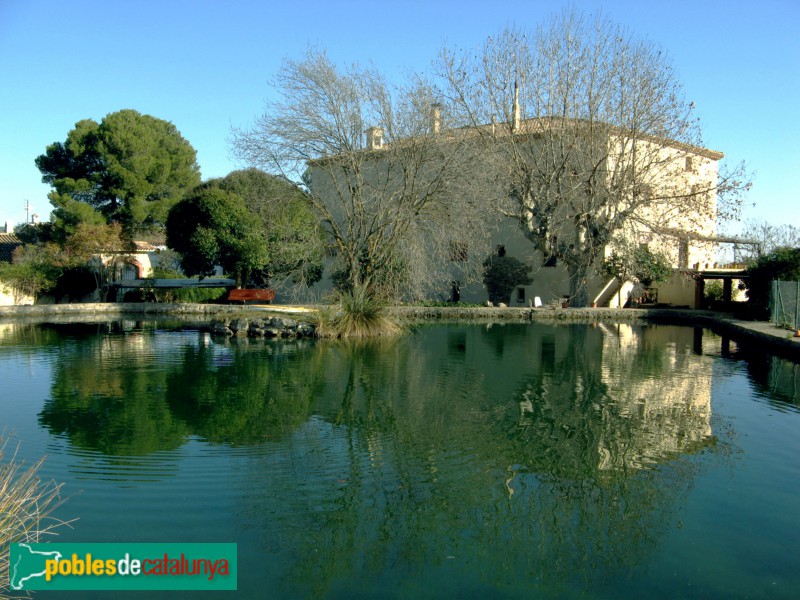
[[674, 170], [9, 298]]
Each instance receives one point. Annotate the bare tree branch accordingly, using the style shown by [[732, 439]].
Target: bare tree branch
[[588, 131], [394, 202]]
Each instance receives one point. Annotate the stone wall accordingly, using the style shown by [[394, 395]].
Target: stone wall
[[266, 327]]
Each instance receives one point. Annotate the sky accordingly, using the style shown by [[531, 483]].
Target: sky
[[206, 67]]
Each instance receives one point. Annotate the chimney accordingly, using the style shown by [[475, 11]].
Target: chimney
[[515, 113], [374, 138], [436, 118], [34, 218], [7, 227]]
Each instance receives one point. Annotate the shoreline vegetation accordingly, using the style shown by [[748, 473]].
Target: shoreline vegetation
[[26, 504], [758, 332]]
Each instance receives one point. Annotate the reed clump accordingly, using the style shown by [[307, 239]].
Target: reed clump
[[356, 313], [26, 505]]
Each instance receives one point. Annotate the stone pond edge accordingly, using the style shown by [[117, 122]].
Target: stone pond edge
[[298, 321]]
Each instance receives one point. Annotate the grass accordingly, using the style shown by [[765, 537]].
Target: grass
[[26, 504], [359, 313]]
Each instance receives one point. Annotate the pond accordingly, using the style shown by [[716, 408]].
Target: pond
[[469, 461]]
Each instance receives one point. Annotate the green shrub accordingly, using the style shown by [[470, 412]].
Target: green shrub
[[35, 270], [501, 274], [783, 264], [75, 283], [713, 291], [637, 263]]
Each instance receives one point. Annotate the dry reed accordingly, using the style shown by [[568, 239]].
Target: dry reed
[[26, 505]]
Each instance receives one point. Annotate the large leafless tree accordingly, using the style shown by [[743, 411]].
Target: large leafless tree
[[767, 238], [588, 133], [395, 189]]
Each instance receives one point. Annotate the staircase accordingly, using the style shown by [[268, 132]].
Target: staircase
[[609, 296]]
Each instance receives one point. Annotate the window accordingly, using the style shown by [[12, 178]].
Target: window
[[520, 295], [688, 166]]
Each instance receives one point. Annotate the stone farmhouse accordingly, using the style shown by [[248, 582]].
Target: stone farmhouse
[[687, 238]]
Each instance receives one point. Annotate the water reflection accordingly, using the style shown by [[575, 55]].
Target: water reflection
[[528, 466], [145, 391], [602, 398], [516, 458]]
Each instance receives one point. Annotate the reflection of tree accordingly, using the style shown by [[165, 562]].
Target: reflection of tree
[[16, 337], [105, 397], [524, 452], [260, 392], [777, 378], [425, 454], [135, 393]]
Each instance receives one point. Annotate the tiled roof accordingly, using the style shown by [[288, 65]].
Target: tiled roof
[[153, 239], [8, 243], [142, 246]]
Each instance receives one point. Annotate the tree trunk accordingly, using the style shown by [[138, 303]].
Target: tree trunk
[[578, 290]]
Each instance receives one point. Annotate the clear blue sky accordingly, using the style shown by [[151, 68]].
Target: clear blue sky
[[205, 66]]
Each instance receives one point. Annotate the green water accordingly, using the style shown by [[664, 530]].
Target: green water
[[463, 461]]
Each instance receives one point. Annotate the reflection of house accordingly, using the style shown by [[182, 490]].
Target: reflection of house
[[622, 398], [662, 387]]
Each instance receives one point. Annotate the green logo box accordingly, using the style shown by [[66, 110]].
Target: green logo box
[[86, 566]]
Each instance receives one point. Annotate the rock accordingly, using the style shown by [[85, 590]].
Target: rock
[[489, 303], [257, 328], [274, 327], [502, 305], [285, 324], [239, 326], [305, 330], [220, 327]]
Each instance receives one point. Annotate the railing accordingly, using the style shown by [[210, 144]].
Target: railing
[[784, 304]]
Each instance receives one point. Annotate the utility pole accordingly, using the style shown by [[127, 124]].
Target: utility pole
[[27, 211]]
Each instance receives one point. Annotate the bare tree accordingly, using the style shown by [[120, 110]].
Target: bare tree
[[592, 138], [398, 201], [769, 237]]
